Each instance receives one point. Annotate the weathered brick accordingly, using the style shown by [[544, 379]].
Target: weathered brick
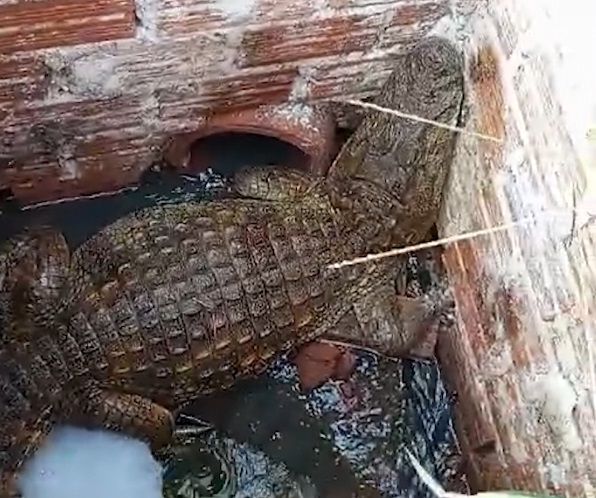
[[506, 29], [103, 165], [78, 119], [334, 78], [520, 453], [526, 349], [274, 11], [347, 4], [187, 17], [193, 66], [419, 12], [472, 324], [223, 94], [307, 39], [249, 89], [53, 23], [455, 353], [410, 21], [485, 76], [23, 77], [478, 281], [528, 296]]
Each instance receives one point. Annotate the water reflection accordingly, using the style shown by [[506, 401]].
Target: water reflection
[[198, 468], [278, 442]]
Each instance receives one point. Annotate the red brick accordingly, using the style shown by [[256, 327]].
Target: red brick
[[485, 76], [274, 11], [77, 119], [453, 265], [184, 75], [471, 262], [24, 182], [308, 39], [226, 93], [476, 254], [525, 347], [335, 78], [347, 4], [180, 18], [54, 23], [412, 21], [456, 353], [23, 78], [249, 89], [471, 286], [420, 12], [103, 165], [474, 328], [498, 244]]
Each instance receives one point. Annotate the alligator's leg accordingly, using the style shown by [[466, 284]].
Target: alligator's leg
[[34, 270], [18, 441], [130, 414], [391, 324]]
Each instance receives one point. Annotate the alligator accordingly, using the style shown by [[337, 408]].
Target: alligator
[[173, 302]]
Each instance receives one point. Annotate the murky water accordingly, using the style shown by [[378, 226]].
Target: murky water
[[274, 441], [267, 439], [79, 219]]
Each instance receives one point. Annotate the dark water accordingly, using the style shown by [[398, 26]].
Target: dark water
[[269, 439], [79, 219], [275, 441]]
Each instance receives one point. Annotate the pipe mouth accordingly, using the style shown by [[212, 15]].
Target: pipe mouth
[[226, 152], [305, 134]]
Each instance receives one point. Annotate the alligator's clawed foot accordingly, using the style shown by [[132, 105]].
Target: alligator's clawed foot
[[424, 318], [133, 415]]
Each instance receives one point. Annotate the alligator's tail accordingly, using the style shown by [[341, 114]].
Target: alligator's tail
[[26, 404]]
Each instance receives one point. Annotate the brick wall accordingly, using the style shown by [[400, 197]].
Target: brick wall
[[523, 357], [89, 92]]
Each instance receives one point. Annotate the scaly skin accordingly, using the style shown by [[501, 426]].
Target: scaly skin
[[392, 170], [173, 302], [195, 297]]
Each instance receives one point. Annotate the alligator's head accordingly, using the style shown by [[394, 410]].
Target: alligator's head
[[33, 277], [406, 159], [271, 183]]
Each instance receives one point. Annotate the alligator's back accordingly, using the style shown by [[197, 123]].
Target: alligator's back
[[191, 297]]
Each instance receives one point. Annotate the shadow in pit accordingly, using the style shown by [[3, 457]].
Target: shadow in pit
[[249, 149]]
